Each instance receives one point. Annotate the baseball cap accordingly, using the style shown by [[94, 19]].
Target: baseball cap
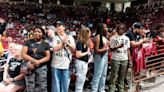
[[137, 25], [60, 23]]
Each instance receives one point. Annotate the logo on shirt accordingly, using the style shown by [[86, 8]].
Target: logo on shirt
[[14, 65]]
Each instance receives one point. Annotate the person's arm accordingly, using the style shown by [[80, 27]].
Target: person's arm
[[97, 43], [9, 79], [70, 45], [58, 46], [141, 41], [25, 56], [129, 55], [79, 52], [19, 77], [45, 59], [6, 78], [132, 39], [134, 43], [5, 73], [112, 44], [115, 48]]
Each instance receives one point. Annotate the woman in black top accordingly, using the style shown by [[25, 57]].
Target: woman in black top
[[82, 53], [13, 79], [36, 52]]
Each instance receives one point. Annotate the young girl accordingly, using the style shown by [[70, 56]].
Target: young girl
[[13, 80]]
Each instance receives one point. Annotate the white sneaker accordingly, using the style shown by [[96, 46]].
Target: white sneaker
[[152, 74], [147, 74]]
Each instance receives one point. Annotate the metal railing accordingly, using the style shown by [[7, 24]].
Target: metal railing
[[154, 64]]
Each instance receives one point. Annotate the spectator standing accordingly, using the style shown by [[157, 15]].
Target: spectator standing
[[136, 41], [50, 34], [63, 45], [120, 47], [36, 53], [82, 55], [100, 59], [134, 35]]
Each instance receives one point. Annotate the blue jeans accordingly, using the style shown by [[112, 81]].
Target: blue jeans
[[60, 80], [100, 73]]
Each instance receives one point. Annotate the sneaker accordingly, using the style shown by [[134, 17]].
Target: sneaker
[[126, 84], [147, 74], [155, 72], [152, 74]]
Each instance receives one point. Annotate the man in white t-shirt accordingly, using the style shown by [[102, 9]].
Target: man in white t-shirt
[[63, 45], [119, 45]]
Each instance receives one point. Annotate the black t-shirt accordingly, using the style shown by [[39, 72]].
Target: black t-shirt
[[36, 50], [14, 67], [80, 47], [132, 36]]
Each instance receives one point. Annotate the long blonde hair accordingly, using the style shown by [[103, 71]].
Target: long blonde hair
[[84, 35]]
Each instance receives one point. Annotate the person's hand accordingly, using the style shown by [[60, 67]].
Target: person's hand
[[36, 63], [51, 49], [145, 40], [106, 47], [65, 40], [31, 66], [120, 46], [24, 70], [8, 80], [88, 51]]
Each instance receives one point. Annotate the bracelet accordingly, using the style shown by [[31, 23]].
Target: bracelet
[[33, 60]]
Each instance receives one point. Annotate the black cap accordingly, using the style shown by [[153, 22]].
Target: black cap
[[60, 23], [137, 25]]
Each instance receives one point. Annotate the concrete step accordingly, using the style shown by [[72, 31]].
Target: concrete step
[[152, 83]]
